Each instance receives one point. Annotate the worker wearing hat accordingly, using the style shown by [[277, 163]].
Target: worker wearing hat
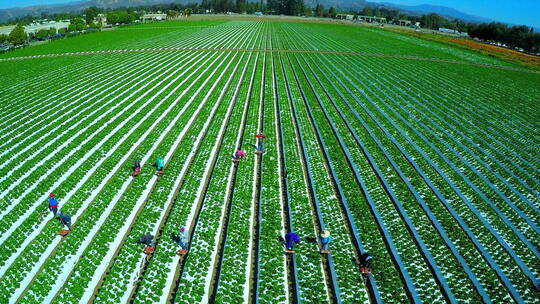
[[326, 238], [53, 204]]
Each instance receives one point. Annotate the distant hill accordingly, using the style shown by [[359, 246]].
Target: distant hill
[[441, 10], [428, 8], [11, 13], [422, 9], [355, 5]]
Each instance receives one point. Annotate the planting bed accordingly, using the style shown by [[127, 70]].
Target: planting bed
[[423, 155]]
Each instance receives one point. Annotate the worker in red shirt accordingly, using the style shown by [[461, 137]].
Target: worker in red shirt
[[260, 143]]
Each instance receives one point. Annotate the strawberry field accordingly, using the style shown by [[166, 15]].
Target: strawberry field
[[423, 155]]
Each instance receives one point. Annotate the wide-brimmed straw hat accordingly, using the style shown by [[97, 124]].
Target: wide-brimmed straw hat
[[325, 234]]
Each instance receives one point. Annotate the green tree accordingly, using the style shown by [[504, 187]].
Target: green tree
[[112, 17], [42, 33], [224, 6], [81, 26], [3, 38], [77, 24], [319, 10], [52, 31], [18, 35], [251, 8], [516, 36], [171, 14], [96, 25], [91, 13], [367, 11], [241, 6], [277, 6], [434, 21], [332, 12], [208, 4], [294, 7], [121, 16], [62, 30]]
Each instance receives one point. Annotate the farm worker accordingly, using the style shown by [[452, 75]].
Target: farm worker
[[182, 238], [53, 204], [365, 263], [238, 155], [326, 238], [260, 142], [64, 219], [291, 239], [147, 239], [160, 163], [136, 168]]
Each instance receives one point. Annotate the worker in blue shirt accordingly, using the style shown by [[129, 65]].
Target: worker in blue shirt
[[53, 204], [325, 238], [291, 239]]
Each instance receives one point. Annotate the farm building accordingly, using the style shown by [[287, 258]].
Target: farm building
[[344, 17], [447, 30], [153, 17], [403, 22], [371, 19]]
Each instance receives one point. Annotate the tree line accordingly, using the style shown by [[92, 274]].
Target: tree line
[[18, 36], [519, 36], [513, 36]]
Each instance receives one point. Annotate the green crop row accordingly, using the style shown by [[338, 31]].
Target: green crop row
[[310, 280], [85, 144], [429, 165], [273, 274], [147, 217], [154, 282], [198, 265]]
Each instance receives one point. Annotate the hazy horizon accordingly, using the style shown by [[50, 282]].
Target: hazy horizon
[[514, 12]]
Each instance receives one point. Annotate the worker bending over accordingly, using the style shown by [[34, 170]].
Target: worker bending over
[[238, 155], [365, 263], [136, 168], [148, 240], [160, 164], [291, 239], [181, 240], [65, 220]]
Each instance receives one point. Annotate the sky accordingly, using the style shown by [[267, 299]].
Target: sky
[[511, 11]]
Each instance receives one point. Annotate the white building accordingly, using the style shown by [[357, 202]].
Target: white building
[[153, 17], [449, 31], [344, 17], [34, 27]]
